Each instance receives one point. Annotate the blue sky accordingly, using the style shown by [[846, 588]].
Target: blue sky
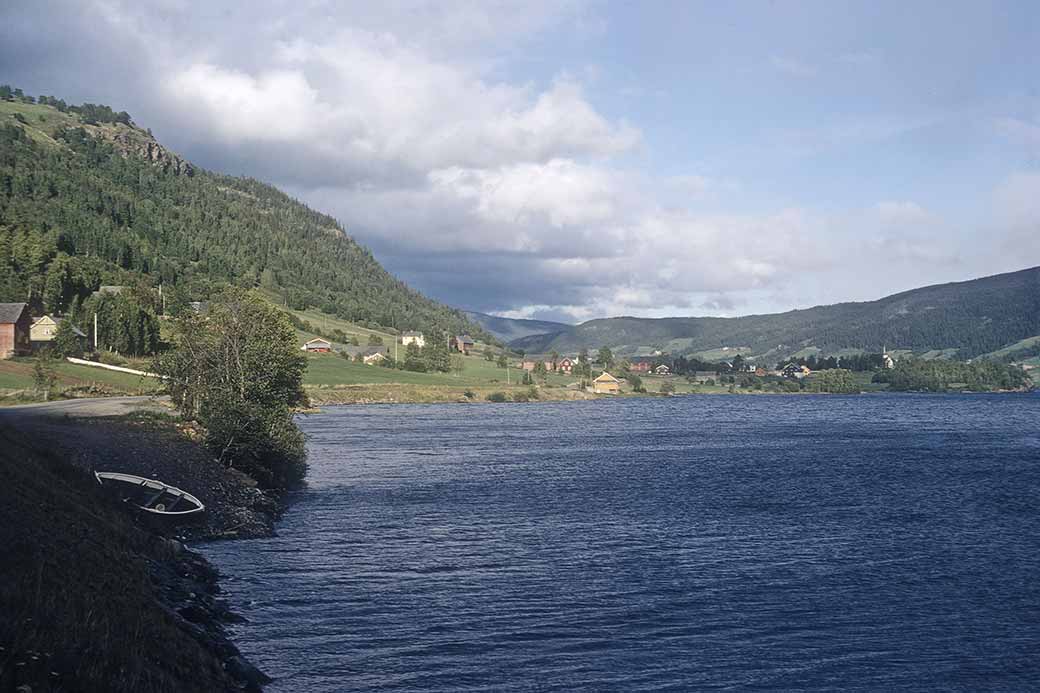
[[573, 159]]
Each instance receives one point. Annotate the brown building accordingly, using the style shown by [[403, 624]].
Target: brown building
[[15, 326], [639, 367], [606, 384], [462, 343], [565, 365]]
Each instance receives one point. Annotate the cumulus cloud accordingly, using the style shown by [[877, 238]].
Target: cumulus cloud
[[365, 97]]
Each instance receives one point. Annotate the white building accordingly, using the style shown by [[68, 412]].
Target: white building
[[413, 338]]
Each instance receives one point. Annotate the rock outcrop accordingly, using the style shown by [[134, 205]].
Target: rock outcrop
[[132, 142]]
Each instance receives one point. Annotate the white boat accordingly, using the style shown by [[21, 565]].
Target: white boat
[[151, 495]]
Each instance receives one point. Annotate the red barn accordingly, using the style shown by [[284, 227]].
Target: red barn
[[15, 325]]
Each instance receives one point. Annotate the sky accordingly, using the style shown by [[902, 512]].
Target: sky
[[576, 159]]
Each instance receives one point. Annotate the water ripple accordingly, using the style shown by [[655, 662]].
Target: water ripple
[[709, 543]]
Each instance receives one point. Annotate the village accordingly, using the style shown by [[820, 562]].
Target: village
[[344, 359]]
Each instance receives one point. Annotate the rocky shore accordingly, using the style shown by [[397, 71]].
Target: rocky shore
[[97, 599]]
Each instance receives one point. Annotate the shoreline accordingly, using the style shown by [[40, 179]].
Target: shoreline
[[407, 394], [176, 591]]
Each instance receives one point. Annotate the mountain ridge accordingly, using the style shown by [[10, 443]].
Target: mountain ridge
[[510, 329], [972, 317]]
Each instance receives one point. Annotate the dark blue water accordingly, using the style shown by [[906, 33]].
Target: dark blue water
[[791, 543]]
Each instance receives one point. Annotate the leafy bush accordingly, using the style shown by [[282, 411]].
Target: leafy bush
[[111, 358], [237, 372], [496, 397]]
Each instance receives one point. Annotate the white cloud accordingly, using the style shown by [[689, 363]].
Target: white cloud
[[904, 213], [792, 67], [364, 97], [558, 193]]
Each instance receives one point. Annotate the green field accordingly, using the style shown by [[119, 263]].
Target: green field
[[1012, 348], [38, 120], [332, 370], [16, 374], [726, 354]]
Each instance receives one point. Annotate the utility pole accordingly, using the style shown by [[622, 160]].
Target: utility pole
[[95, 332]]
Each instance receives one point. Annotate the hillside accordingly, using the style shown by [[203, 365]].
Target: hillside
[[967, 318], [88, 198], [510, 329]]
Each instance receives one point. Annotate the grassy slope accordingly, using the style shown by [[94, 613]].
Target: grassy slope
[[39, 120], [16, 374], [332, 370], [1011, 348], [81, 608]]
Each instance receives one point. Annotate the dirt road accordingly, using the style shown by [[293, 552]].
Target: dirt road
[[86, 408]]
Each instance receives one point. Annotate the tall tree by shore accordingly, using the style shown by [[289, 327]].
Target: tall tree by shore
[[236, 371]]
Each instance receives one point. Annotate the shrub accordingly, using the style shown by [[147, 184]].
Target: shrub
[[238, 372], [496, 397], [110, 358], [469, 394]]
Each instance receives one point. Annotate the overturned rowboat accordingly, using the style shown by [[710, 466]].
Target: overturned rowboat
[[151, 495]]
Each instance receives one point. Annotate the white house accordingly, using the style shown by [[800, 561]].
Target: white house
[[415, 338]]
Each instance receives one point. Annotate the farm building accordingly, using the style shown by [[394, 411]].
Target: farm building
[[793, 370], [369, 355], [15, 325], [606, 384], [565, 365], [317, 346], [640, 366], [663, 370], [45, 327], [462, 343], [529, 365], [415, 338]]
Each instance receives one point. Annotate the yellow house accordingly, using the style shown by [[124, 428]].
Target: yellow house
[[606, 384], [44, 328]]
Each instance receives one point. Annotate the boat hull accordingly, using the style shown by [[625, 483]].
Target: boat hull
[[151, 495]]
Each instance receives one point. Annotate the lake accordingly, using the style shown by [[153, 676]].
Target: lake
[[709, 542]]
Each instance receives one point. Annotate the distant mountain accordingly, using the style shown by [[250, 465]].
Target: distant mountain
[[965, 319], [509, 329], [88, 197]]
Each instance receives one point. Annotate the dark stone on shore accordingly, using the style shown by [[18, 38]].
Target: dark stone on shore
[[246, 672]]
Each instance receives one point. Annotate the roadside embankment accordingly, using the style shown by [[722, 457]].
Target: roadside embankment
[[141, 435], [93, 599]]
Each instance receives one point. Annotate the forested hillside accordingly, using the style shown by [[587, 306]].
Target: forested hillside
[[88, 198], [973, 317]]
